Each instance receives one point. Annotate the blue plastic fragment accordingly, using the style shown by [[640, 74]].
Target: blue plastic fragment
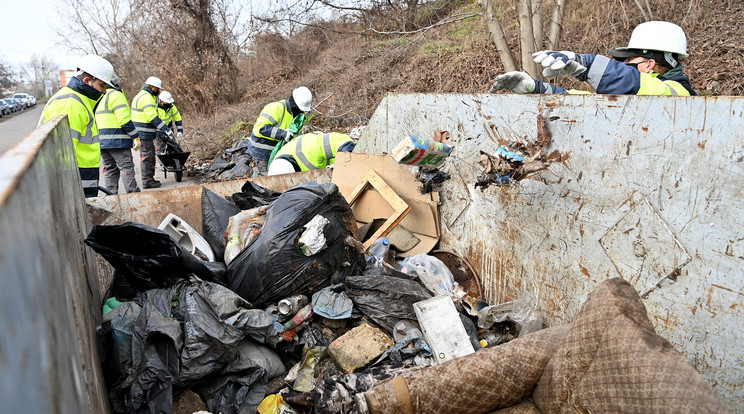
[[509, 155]]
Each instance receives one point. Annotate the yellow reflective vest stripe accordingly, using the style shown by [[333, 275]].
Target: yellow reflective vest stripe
[[144, 107], [275, 114], [83, 128], [314, 151]]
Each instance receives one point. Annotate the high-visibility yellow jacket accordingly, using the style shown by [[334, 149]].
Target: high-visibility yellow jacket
[[114, 120], [315, 151], [270, 127], [76, 101], [171, 115], [145, 115]]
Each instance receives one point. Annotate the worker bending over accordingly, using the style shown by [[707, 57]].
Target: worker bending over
[[649, 65], [273, 124], [117, 133], [310, 152], [77, 100], [145, 118], [169, 114]]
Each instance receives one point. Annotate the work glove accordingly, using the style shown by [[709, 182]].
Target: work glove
[[169, 134], [518, 82], [137, 144], [179, 136], [560, 63], [288, 136]]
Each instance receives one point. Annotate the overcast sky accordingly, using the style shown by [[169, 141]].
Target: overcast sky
[[26, 29]]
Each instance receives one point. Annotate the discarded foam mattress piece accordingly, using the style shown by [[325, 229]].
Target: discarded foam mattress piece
[[609, 359]]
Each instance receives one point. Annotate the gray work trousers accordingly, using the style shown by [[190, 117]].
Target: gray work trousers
[[147, 166], [118, 162]]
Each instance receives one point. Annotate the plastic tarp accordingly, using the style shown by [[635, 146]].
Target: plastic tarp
[[252, 195], [274, 267]]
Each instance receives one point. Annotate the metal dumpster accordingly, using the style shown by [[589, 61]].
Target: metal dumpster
[[642, 187], [646, 188]]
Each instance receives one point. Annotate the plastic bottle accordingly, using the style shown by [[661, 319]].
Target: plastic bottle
[[233, 248], [377, 252], [492, 339]]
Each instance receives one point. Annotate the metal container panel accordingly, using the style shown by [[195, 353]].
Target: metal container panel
[[646, 188], [49, 301]]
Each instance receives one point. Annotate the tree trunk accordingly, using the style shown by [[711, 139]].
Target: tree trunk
[[497, 35], [537, 23], [556, 25], [526, 37]]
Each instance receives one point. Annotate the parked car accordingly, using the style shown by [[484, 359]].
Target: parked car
[[25, 99], [32, 99], [4, 107], [15, 106]]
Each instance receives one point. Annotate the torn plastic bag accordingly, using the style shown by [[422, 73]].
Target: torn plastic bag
[[337, 395], [525, 318], [410, 346], [216, 213], [149, 258], [333, 303], [252, 195], [386, 299], [189, 336], [116, 336], [434, 274], [273, 267]]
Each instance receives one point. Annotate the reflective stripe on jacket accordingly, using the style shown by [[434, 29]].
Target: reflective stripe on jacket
[[271, 126], [171, 115], [79, 111], [145, 115], [114, 121], [314, 151]]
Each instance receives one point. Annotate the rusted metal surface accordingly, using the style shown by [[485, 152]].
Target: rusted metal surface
[[644, 188], [152, 207], [49, 302], [462, 272]]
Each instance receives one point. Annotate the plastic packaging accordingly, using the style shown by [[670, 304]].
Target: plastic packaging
[[312, 240], [433, 273], [216, 213], [274, 404], [305, 380], [526, 319], [490, 339], [292, 304]]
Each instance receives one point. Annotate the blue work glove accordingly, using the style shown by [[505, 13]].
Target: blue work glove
[[560, 63], [518, 82]]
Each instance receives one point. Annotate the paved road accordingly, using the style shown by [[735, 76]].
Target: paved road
[[14, 127]]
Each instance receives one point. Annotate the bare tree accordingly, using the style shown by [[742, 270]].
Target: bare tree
[[556, 24], [38, 70], [497, 35], [537, 23], [6, 75], [526, 37]]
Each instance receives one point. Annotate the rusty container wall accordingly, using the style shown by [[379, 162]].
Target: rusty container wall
[[49, 303], [645, 188], [151, 207]]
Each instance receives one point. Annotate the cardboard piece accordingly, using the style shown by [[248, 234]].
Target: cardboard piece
[[423, 219], [399, 206], [421, 151]]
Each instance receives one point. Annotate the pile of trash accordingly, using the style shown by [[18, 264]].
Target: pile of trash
[[233, 164], [293, 314]]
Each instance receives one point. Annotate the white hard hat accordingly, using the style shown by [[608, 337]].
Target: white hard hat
[[97, 67], [303, 98], [664, 37], [153, 81], [166, 97]]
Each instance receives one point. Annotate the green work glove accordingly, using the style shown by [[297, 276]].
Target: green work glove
[[518, 82], [297, 123]]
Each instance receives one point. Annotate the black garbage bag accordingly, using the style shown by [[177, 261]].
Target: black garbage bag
[[252, 195], [273, 266], [386, 299], [147, 257], [216, 213], [184, 338]]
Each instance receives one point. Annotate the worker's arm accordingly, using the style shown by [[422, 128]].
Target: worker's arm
[[178, 120], [609, 76], [267, 124], [521, 82], [151, 114]]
